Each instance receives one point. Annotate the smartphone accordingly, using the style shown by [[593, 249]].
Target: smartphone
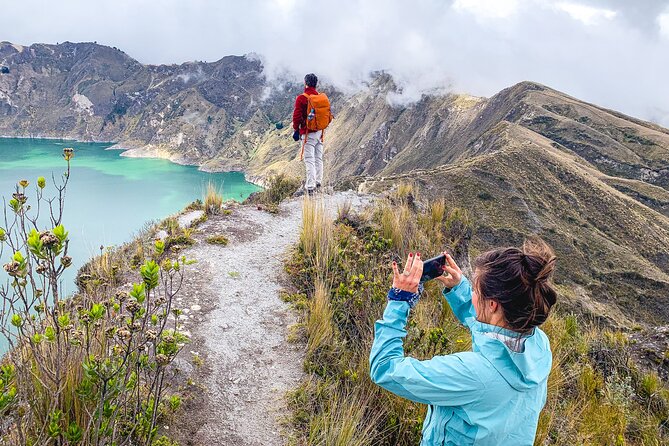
[[433, 268]]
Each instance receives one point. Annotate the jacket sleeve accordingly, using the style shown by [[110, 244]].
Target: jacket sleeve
[[460, 300], [299, 112], [449, 380]]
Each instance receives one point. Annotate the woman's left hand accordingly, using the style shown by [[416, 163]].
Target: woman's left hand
[[410, 278]]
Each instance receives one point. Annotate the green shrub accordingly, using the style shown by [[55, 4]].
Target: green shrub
[[279, 187], [97, 359]]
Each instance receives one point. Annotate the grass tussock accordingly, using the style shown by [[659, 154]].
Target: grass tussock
[[213, 199], [319, 326], [343, 422], [316, 234], [596, 395], [218, 240]]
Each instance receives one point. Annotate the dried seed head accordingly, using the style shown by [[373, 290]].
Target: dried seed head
[[122, 295], [13, 269], [48, 239], [41, 268], [133, 306]]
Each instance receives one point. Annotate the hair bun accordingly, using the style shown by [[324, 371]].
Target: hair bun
[[540, 259]]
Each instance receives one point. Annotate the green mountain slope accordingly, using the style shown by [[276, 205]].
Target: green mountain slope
[[612, 248]]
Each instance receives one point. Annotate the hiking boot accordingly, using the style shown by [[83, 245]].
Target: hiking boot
[[299, 192]]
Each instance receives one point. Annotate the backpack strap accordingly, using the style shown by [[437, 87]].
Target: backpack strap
[[304, 143], [306, 117]]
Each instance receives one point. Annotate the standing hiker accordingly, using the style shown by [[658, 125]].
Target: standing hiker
[[310, 118]]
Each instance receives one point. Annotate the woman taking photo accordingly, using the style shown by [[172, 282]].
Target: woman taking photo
[[493, 394]]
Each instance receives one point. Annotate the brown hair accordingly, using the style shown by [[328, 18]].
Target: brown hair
[[520, 280]]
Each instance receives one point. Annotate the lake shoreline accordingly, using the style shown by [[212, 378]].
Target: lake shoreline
[[145, 152]]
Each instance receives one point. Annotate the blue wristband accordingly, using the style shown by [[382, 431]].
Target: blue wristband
[[405, 296]]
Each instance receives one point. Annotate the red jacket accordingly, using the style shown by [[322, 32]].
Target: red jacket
[[300, 112]]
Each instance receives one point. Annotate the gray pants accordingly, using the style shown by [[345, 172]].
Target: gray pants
[[313, 159]]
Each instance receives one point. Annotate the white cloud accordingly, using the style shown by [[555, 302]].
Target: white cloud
[[586, 14], [663, 21], [487, 9], [471, 46]]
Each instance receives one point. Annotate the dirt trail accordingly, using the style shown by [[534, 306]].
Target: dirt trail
[[239, 327]]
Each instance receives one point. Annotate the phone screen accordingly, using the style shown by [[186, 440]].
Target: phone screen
[[433, 268]]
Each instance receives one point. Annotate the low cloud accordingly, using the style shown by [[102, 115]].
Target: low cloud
[[610, 52]]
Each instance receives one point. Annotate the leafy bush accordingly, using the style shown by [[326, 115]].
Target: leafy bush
[[89, 369], [279, 188]]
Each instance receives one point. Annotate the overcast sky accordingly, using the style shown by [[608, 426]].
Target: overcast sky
[[614, 53]]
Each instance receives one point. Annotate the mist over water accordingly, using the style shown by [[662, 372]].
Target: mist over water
[[109, 198]]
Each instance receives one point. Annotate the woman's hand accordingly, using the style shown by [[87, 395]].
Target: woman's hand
[[452, 273], [410, 278]]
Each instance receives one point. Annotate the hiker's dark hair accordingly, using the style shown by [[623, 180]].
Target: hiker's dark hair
[[311, 80], [520, 280]]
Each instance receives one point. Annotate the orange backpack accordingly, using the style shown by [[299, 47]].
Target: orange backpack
[[319, 115]]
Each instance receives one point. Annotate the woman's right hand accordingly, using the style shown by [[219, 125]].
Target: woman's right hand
[[452, 273]]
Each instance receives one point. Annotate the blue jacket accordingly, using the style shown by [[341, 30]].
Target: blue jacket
[[489, 396]]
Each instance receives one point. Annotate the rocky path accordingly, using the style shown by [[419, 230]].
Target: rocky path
[[239, 327]]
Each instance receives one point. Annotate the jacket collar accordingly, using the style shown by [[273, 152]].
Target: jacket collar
[[310, 90], [522, 369]]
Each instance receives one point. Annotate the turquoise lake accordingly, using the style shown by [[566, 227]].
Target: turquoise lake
[[109, 197]]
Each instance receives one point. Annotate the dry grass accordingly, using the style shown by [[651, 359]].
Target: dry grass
[[396, 224], [437, 212], [405, 190], [316, 235], [344, 210], [344, 422], [319, 326]]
